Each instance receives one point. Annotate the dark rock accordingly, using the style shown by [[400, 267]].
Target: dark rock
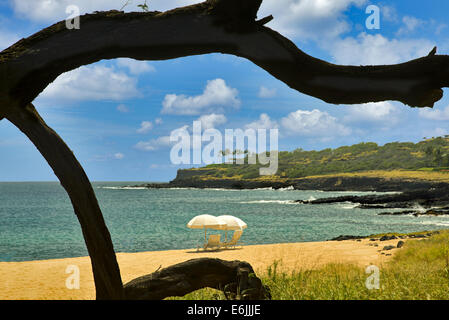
[[388, 248], [400, 244], [417, 236], [426, 198], [386, 238], [370, 206], [398, 213], [343, 238], [433, 212]]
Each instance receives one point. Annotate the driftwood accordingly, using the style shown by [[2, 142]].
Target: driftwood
[[235, 278], [223, 26]]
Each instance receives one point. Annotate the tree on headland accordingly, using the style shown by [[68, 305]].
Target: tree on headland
[[438, 156], [223, 26]]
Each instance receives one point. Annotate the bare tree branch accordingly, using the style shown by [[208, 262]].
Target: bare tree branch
[[212, 26], [106, 272]]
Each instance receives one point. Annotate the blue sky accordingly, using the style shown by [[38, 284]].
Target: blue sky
[[117, 115]]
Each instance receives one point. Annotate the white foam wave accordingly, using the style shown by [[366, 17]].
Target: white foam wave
[[205, 189], [433, 223], [349, 205], [286, 189], [419, 208], [270, 201], [124, 188]]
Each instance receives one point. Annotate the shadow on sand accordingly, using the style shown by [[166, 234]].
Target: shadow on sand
[[200, 250]]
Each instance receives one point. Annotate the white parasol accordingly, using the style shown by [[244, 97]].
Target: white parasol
[[206, 221], [233, 223]]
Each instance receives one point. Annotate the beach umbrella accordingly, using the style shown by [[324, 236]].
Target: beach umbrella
[[206, 221], [233, 223]]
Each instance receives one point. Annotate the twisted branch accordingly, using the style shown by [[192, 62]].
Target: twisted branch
[[221, 26]]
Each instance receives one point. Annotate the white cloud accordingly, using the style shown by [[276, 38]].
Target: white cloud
[[439, 28], [135, 67], [375, 49], [145, 127], [7, 39], [309, 19], [264, 122], [435, 114], [119, 156], [410, 24], [158, 121], [91, 83], [154, 144], [161, 142], [40, 10], [122, 108], [313, 123], [107, 157], [217, 96], [210, 121], [389, 13], [437, 132], [384, 112], [266, 93]]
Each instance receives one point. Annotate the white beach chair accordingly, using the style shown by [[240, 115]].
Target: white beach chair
[[213, 242], [234, 241]]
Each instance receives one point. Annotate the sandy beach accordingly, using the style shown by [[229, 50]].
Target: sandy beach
[[46, 280]]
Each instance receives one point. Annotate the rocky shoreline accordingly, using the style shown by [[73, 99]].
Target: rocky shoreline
[[323, 184], [377, 240], [430, 202], [414, 197], [386, 237]]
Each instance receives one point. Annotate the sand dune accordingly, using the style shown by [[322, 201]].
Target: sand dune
[[47, 279]]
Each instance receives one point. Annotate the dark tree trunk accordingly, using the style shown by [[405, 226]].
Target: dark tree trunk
[[106, 272]]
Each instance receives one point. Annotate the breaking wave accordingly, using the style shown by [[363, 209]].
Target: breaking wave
[[270, 201]]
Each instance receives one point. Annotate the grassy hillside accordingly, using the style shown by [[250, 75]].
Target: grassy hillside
[[426, 158]]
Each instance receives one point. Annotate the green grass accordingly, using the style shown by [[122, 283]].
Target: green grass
[[379, 235], [426, 160], [418, 271]]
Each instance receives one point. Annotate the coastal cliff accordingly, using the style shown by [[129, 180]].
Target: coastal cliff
[[362, 167], [198, 178]]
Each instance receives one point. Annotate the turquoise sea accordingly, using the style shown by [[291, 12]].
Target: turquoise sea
[[37, 221]]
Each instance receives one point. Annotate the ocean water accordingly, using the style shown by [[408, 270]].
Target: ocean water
[[37, 220]]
